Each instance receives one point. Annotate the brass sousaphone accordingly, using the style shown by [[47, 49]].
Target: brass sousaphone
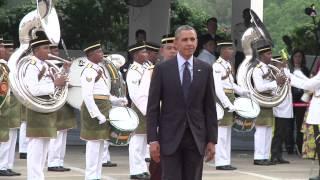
[[43, 18], [254, 33]]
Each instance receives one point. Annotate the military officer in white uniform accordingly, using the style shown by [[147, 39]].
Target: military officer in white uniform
[[264, 83], [225, 89], [138, 81], [40, 83], [96, 85], [12, 108]]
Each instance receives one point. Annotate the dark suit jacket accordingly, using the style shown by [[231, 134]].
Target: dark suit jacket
[[199, 111]]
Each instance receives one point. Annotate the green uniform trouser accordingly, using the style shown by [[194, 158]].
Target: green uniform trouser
[[141, 129], [41, 124], [14, 116], [228, 117], [4, 124], [90, 127], [66, 118], [265, 117]]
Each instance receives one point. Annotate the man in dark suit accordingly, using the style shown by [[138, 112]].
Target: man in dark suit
[[183, 128]]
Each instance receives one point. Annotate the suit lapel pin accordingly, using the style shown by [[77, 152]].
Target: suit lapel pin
[[199, 70]]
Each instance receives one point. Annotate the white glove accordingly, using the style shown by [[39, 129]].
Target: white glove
[[231, 108], [124, 101], [246, 93], [102, 119]]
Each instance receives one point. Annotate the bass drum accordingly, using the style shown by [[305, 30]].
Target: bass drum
[[123, 122], [247, 111], [74, 95]]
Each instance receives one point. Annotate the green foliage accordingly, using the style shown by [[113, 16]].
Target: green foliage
[[181, 14], [106, 20], [286, 17], [10, 19]]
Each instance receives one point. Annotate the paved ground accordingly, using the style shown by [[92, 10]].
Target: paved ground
[[298, 169]]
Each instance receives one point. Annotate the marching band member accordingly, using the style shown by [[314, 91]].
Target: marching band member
[[11, 111], [138, 80], [264, 83], [225, 89], [41, 127], [96, 86], [8, 134], [283, 115], [106, 158], [65, 120]]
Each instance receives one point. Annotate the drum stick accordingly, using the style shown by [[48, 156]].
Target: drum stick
[[128, 112], [114, 120]]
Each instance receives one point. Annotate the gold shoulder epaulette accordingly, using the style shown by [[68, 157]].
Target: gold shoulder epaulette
[[259, 65], [151, 67], [33, 60], [89, 65], [133, 67]]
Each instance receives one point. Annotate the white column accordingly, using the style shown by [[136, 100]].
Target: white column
[[153, 18]]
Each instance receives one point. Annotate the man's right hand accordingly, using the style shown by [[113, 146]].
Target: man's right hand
[[155, 151], [60, 81], [102, 119], [281, 79], [231, 108]]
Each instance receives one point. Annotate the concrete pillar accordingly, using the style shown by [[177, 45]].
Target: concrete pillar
[[239, 5], [153, 18]]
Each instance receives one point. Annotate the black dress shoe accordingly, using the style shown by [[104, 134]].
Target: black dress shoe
[[23, 155], [282, 161], [65, 169], [140, 176], [261, 162], [279, 161], [147, 174], [315, 178], [227, 167], [109, 164], [269, 162], [147, 160], [5, 173], [56, 169], [13, 173]]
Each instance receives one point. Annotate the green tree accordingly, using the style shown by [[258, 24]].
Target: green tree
[[282, 17]]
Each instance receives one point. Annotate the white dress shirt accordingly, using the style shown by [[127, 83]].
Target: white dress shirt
[[37, 87], [221, 68], [89, 87], [263, 84]]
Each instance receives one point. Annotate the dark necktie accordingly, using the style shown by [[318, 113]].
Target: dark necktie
[[186, 80]]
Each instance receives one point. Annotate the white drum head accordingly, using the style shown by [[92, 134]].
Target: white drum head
[[220, 112], [74, 97], [246, 107], [123, 118]]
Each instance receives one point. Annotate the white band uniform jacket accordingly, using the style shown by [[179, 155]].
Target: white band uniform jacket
[[220, 69], [92, 87]]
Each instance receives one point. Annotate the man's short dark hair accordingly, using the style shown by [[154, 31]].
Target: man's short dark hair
[[141, 31], [214, 19]]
